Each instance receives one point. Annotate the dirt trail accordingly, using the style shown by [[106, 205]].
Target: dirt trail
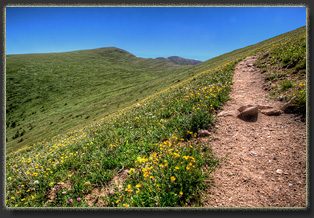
[[263, 162]]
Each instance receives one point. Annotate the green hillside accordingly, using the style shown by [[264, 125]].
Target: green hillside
[[285, 68], [49, 94], [153, 140]]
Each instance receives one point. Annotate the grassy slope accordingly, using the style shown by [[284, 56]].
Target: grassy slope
[[284, 65], [48, 94], [144, 139]]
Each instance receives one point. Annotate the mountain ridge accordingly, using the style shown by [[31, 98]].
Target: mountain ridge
[[113, 52], [180, 60]]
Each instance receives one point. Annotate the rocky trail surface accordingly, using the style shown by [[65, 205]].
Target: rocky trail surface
[[263, 158]]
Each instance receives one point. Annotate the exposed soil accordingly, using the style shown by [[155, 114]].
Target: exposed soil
[[263, 161], [97, 194]]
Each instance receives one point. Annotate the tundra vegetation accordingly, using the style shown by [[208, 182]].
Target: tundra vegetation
[[285, 67], [120, 113]]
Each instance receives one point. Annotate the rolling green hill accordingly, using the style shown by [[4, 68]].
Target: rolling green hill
[[152, 141], [48, 94]]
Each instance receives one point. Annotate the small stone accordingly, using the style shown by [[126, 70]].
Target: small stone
[[287, 105], [249, 113], [242, 108], [290, 185], [86, 183], [234, 135], [112, 192], [252, 153], [281, 97], [225, 113], [203, 132], [279, 171], [273, 112], [260, 107]]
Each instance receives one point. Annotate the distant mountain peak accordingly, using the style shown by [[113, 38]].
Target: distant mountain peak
[[180, 60]]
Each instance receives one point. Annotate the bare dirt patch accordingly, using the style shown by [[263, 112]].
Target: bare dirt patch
[[53, 192], [98, 196], [263, 161]]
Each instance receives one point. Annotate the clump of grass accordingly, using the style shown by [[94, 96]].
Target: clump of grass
[[301, 99], [275, 76], [286, 60], [285, 85], [263, 70]]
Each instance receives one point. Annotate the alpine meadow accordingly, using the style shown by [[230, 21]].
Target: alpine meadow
[[104, 128]]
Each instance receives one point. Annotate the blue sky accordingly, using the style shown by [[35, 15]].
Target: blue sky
[[190, 32]]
